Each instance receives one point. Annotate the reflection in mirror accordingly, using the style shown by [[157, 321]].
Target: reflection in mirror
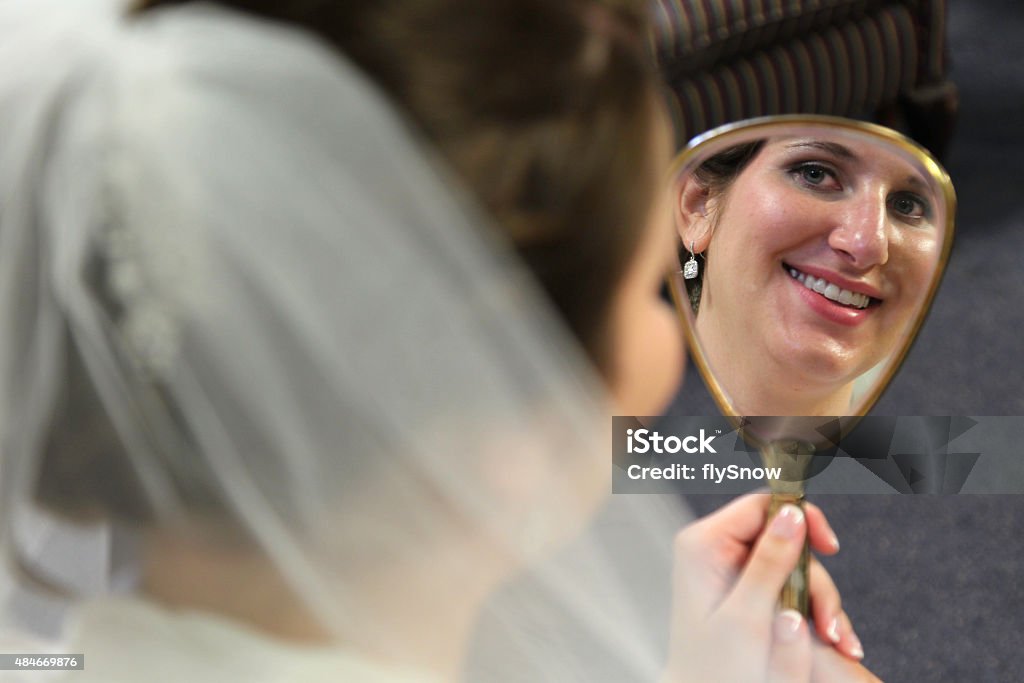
[[809, 250]]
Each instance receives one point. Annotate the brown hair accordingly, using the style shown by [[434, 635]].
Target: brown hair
[[715, 176], [544, 108]]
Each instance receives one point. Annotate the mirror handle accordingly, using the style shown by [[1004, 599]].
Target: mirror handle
[[795, 592]]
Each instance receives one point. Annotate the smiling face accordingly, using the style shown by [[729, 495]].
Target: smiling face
[[819, 255]]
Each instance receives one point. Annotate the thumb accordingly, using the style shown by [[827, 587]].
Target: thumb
[[770, 562], [790, 659]]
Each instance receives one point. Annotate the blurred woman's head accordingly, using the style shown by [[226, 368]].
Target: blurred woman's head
[[276, 323], [550, 113]]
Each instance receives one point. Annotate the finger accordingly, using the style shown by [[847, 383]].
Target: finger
[[830, 666], [831, 623], [790, 658], [693, 577], [819, 532], [826, 603], [773, 558], [849, 644], [742, 519], [711, 551]]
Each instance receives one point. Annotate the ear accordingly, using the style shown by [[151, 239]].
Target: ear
[[693, 214]]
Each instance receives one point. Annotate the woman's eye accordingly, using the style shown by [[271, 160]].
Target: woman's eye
[[909, 205], [816, 176]]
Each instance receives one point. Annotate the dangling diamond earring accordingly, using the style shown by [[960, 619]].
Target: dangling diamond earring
[[690, 268]]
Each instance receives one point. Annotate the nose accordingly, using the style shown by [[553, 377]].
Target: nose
[[861, 236]]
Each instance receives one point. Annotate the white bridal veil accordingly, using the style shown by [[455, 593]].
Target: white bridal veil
[[290, 317]]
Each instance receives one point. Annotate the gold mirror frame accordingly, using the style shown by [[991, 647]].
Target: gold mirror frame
[[722, 137], [794, 454]]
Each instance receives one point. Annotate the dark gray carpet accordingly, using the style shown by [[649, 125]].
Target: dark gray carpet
[[935, 584]]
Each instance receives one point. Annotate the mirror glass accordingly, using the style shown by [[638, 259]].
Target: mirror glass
[[809, 250]]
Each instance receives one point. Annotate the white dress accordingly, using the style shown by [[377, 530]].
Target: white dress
[[127, 640]]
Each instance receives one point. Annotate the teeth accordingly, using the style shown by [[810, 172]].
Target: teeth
[[830, 290]]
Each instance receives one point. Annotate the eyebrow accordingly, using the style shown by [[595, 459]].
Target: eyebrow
[[832, 147], [921, 185]]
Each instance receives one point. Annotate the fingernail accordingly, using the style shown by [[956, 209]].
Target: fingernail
[[787, 625], [856, 650], [833, 630], [835, 541], [788, 522]]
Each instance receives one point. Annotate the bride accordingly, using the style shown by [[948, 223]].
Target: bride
[[252, 322]]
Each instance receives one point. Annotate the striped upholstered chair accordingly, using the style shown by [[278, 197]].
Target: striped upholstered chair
[[880, 60]]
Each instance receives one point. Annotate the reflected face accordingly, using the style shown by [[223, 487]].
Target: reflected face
[[819, 254]]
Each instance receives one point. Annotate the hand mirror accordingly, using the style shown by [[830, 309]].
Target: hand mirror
[[809, 251]]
